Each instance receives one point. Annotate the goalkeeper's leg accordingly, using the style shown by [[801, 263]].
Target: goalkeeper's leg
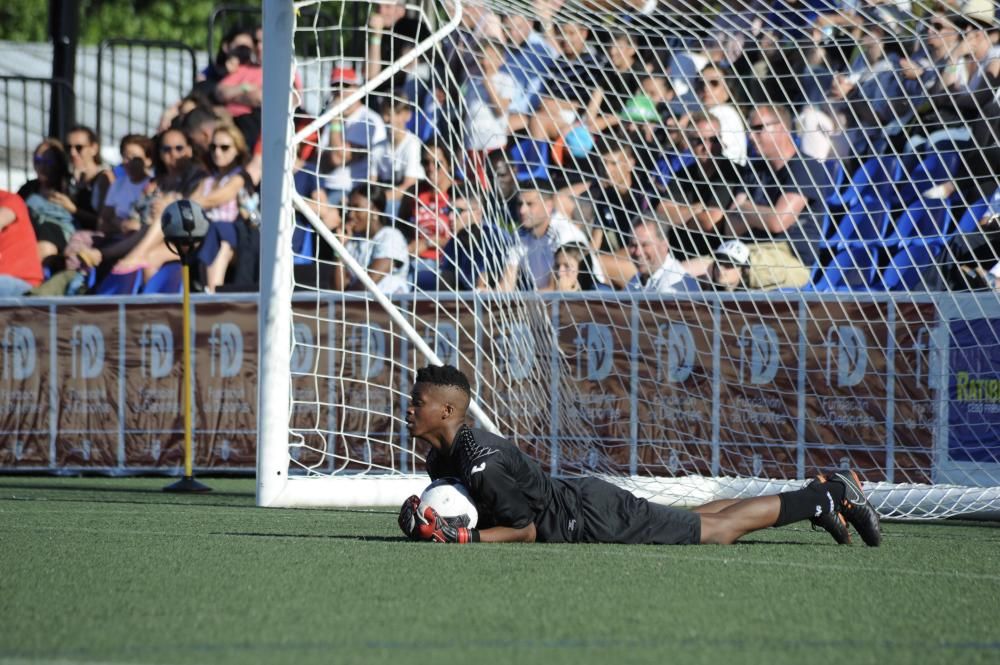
[[725, 521]]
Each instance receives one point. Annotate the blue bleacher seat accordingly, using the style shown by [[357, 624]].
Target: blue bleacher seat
[[923, 220], [854, 268], [530, 160], [970, 219], [168, 279], [909, 267], [120, 285]]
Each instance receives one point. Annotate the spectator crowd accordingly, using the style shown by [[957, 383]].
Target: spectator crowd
[[806, 144]]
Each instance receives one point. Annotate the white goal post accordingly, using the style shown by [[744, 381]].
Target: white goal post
[[866, 355]]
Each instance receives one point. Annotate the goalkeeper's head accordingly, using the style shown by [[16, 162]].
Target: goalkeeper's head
[[452, 380]]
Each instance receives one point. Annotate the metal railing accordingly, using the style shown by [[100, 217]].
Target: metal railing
[[137, 80], [22, 126]]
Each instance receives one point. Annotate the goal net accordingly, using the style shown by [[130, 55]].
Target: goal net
[[704, 249]]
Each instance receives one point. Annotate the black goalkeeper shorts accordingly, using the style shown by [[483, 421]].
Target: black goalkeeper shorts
[[613, 515]]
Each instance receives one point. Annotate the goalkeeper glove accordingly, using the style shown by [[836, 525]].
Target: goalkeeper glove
[[426, 524]]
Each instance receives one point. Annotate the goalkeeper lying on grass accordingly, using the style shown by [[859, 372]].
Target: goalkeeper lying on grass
[[518, 502]]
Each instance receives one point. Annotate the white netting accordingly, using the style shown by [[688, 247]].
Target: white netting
[[850, 147]]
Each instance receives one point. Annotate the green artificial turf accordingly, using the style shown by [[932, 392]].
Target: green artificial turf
[[113, 570]]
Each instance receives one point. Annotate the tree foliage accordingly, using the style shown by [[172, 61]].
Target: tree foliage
[[176, 20]]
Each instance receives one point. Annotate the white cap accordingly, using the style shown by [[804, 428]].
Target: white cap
[[734, 252], [980, 10]]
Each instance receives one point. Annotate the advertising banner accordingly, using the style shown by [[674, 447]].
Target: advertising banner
[[710, 386], [26, 389]]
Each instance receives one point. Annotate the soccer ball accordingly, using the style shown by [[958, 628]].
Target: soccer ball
[[451, 501]]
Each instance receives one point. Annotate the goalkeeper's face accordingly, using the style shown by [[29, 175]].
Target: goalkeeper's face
[[433, 411]]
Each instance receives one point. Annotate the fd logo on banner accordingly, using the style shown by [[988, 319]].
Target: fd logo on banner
[[367, 351], [157, 350], [761, 345], [679, 344], [517, 346], [19, 356], [303, 349], [226, 342], [851, 353], [595, 339], [443, 340], [88, 351]]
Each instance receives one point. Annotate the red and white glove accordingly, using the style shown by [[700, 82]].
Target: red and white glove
[[425, 524]]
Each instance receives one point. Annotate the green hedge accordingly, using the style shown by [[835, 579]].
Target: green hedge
[[178, 20]]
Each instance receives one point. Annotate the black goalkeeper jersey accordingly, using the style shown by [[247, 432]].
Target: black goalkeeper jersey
[[510, 489]]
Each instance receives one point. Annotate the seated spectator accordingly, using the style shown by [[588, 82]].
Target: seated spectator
[[718, 100], [219, 196], [396, 162], [735, 265], [657, 271], [349, 142], [785, 196], [488, 96], [427, 208], [20, 266], [543, 230], [48, 199], [241, 90], [480, 255], [695, 199], [199, 124], [501, 186], [118, 214], [178, 175], [571, 270], [530, 54], [569, 95], [617, 198], [313, 257], [862, 102], [378, 247], [91, 177]]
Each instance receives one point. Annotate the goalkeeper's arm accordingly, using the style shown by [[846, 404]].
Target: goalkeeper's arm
[[424, 523]]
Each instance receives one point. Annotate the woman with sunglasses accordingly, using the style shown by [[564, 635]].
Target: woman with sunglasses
[[178, 176], [48, 199], [219, 195], [91, 177]]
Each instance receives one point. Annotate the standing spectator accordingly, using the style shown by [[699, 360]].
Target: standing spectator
[[657, 271], [91, 177], [396, 162], [786, 194], [20, 267], [378, 247], [219, 196], [543, 230], [48, 199]]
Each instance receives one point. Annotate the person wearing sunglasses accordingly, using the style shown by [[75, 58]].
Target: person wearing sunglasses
[[47, 196], [91, 176], [784, 196], [219, 195]]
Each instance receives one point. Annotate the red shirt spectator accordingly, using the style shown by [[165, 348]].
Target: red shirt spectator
[[18, 245]]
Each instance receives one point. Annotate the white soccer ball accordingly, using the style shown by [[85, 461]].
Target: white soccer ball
[[451, 500]]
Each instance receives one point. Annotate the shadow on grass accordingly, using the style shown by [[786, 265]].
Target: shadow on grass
[[251, 534], [63, 485]]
